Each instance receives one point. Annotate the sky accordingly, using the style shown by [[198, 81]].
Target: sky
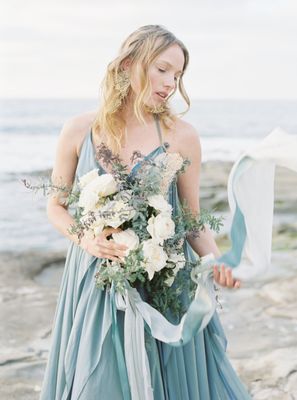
[[239, 49]]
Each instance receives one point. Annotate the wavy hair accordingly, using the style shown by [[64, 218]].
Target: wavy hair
[[141, 47]]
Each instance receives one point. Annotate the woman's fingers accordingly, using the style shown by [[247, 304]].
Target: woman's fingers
[[229, 278], [112, 248], [108, 255], [108, 248], [107, 251], [224, 277], [216, 273], [237, 284]]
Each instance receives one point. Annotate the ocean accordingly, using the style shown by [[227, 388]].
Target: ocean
[[29, 129]]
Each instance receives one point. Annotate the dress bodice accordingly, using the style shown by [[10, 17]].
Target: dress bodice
[[87, 158]]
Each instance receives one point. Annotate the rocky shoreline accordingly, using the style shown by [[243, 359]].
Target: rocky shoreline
[[260, 319]]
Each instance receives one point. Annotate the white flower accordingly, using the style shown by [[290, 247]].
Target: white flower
[[127, 237], [158, 202], [101, 186], [161, 227], [155, 257], [88, 177], [170, 163], [117, 212], [87, 200]]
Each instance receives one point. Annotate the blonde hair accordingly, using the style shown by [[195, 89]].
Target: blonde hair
[[141, 47]]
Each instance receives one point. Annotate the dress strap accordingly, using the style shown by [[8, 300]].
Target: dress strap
[[156, 116]]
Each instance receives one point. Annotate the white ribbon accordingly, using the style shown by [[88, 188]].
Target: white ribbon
[[137, 311], [251, 190]]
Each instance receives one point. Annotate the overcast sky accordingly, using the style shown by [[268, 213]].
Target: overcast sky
[[238, 48]]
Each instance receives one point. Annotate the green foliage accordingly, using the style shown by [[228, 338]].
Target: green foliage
[[119, 273], [193, 224]]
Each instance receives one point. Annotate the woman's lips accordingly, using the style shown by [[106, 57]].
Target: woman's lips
[[161, 97]]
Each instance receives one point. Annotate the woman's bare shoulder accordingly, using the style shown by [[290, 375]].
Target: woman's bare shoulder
[[76, 128], [185, 137]]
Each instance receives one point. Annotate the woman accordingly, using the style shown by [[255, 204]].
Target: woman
[[134, 114]]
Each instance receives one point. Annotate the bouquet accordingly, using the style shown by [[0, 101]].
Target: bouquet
[[139, 205]]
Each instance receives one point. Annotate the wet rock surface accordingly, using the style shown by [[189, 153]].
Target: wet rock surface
[[260, 322], [27, 305]]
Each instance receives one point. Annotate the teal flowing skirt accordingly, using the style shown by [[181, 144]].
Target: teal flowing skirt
[[83, 363]]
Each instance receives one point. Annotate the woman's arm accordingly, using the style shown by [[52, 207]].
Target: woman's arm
[[188, 189], [65, 164], [63, 175]]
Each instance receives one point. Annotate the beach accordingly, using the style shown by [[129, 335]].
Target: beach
[[259, 319]]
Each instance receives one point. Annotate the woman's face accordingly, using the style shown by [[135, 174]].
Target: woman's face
[[163, 74]]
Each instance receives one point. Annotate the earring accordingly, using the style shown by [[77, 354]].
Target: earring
[[122, 83]]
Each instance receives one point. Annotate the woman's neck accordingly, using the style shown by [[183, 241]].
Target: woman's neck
[[130, 117]]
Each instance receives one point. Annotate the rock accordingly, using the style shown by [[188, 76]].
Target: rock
[[281, 291], [273, 367], [26, 318], [286, 311], [291, 385], [271, 394]]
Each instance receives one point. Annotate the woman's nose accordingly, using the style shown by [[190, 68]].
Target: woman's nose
[[169, 81]]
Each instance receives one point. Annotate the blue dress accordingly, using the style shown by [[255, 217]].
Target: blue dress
[[82, 362]]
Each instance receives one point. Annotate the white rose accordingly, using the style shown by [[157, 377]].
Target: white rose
[[117, 212], [158, 202], [88, 177], [161, 227], [87, 200], [127, 237], [101, 186], [155, 257]]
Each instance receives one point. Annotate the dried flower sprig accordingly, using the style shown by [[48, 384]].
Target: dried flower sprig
[[67, 194]]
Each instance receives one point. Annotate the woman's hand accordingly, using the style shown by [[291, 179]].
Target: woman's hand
[[224, 276], [100, 247]]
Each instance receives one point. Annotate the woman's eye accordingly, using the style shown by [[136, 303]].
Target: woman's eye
[[163, 70]]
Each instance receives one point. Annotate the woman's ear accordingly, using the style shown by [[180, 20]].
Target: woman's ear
[[126, 64]]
